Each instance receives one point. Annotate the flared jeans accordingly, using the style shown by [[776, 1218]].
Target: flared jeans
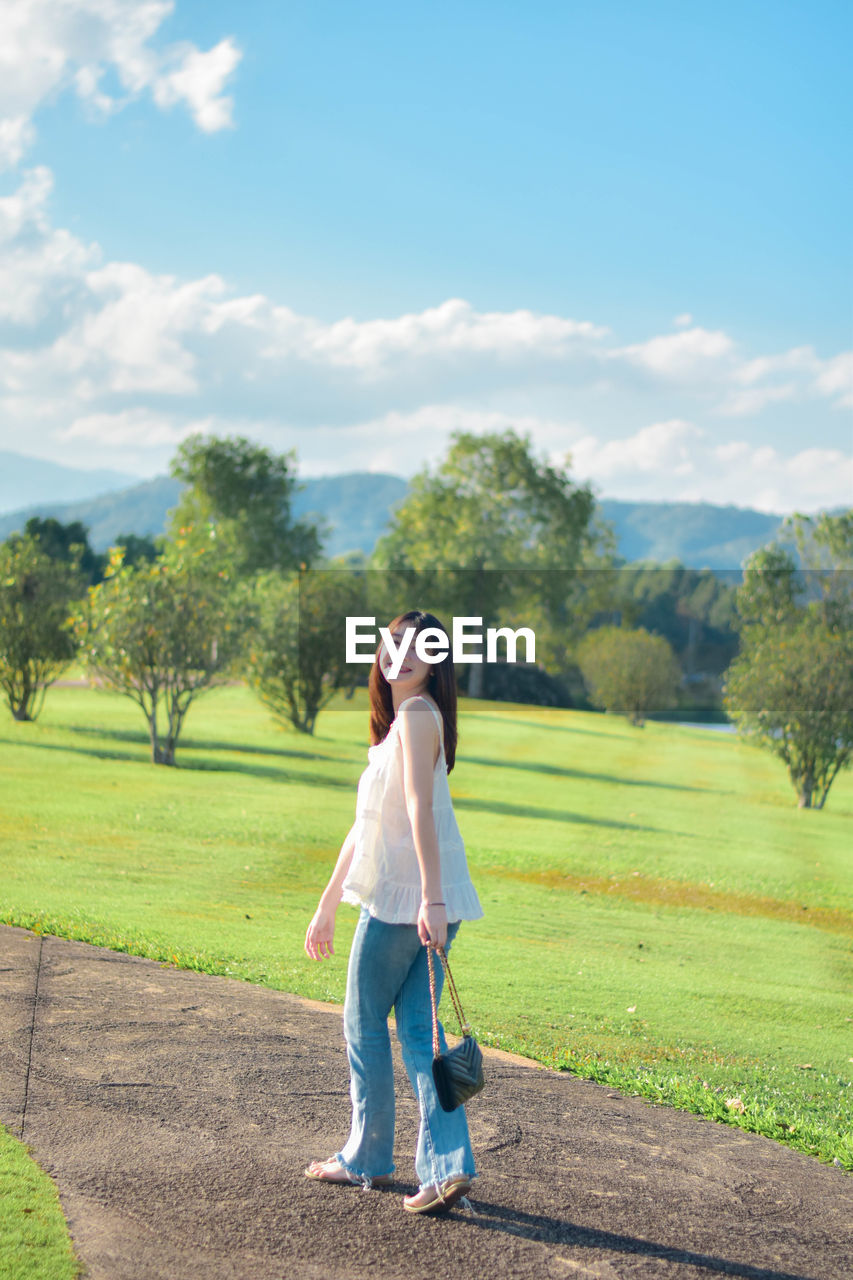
[[388, 969]]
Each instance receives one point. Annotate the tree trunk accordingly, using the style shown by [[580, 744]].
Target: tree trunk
[[21, 710], [807, 784], [475, 680], [152, 733], [176, 719]]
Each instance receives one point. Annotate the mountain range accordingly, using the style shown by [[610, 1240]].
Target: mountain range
[[25, 481], [357, 507]]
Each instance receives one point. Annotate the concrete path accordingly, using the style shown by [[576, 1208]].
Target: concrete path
[[176, 1112]]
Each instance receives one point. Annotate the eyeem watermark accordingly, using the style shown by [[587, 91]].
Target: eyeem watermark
[[431, 644]]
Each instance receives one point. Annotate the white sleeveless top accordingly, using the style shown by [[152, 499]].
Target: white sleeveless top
[[384, 875]]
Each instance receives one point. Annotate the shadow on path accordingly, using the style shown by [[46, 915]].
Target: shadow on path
[[495, 1217]]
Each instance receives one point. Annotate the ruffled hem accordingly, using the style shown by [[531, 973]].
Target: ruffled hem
[[366, 1179], [401, 902]]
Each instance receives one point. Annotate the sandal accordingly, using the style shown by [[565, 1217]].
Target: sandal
[[332, 1170], [434, 1198]]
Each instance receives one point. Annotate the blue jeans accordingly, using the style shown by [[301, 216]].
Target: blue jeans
[[388, 968]]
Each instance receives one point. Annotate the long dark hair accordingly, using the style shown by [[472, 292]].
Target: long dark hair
[[441, 686]]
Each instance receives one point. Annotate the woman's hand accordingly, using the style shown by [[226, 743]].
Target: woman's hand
[[320, 934], [432, 924]]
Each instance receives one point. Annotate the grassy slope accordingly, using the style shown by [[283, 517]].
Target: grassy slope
[[659, 914], [34, 1243]]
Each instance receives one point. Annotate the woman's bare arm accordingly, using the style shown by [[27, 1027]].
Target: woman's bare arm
[[420, 740], [321, 931]]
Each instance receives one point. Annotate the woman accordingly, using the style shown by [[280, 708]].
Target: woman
[[403, 863]]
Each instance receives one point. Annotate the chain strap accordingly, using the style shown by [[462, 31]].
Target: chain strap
[[454, 996]]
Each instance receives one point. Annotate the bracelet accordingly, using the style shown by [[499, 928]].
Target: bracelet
[[433, 904]]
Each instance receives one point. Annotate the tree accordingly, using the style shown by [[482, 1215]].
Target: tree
[[694, 609], [238, 498], [297, 653], [791, 691], [629, 672], [493, 533], [824, 541], [137, 547], [768, 595], [825, 547], [161, 633], [68, 543], [791, 688], [37, 593]]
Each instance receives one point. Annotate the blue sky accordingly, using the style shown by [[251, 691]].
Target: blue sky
[[351, 229]]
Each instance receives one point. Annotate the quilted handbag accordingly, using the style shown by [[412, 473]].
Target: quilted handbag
[[458, 1074]]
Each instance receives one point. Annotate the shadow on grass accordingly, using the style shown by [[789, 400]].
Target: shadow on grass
[[558, 771], [266, 771], [552, 815], [465, 715], [104, 753], [198, 744], [118, 735], [311, 780], [546, 1230], [185, 765]]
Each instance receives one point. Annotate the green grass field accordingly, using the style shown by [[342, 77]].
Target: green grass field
[[34, 1242], [659, 914]]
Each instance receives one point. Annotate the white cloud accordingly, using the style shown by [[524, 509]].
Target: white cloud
[[733, 451], [26, 208], [767, 480], [835, 378], [454, 328], [16, 135], [675, 355], [688, 467], [682, 321], [135, 428], [401, 442], [799, 359], [662, 449], [48, 46], [738, 404], [795, 375], [106, 363], [41, 269], [130, 337], [198, 80]]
